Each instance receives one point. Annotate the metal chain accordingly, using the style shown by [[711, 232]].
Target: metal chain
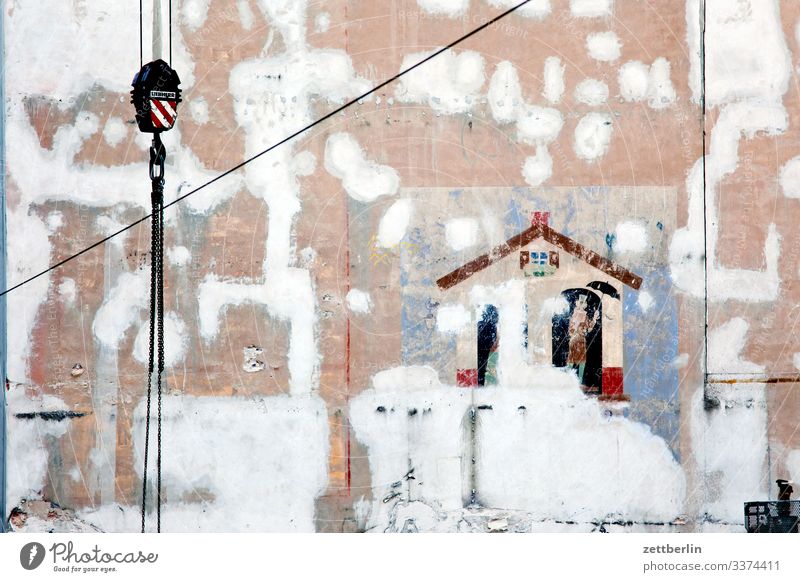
[[150, 362], [160, 351], [157, 158]]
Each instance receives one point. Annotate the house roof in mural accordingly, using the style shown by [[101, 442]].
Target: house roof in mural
[[540, 230]]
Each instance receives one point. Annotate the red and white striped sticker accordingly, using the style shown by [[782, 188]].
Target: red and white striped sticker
[[163, 113]]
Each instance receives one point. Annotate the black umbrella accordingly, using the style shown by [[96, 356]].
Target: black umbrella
[[604, 288]]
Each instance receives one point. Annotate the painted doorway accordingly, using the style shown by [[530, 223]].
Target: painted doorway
[[488, 346], [578, 338]]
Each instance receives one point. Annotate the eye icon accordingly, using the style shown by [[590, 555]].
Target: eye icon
[[31, 555]]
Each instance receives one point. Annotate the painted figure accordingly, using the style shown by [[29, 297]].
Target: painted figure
[[579, 326]]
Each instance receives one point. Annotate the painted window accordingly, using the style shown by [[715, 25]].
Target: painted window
[[538, 263]]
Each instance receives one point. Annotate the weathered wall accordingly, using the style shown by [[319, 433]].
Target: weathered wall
[[306, 386]]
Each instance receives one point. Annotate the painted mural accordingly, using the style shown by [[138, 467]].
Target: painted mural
[[513, 290]]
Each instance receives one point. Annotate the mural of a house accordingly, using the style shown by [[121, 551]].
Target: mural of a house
[[580, 291]]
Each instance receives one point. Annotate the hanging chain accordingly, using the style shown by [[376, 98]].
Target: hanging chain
[[157, 159]]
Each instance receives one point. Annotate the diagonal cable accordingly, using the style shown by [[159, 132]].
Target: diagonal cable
[[273, 146]]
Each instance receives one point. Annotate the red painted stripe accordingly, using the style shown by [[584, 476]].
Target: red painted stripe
[[167, 115], [154, 118]]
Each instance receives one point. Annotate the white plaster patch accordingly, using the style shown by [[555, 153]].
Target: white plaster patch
[[554, 305], [121, 308], [591, 92], [591, 8], [793, 466], [27, 442], [645, 301], [452, 318], [790, 178], [245, 14], [736, 121], [68, 290], [175, 341], [660, 92], [449, 8], [194, 13], [304, 163], [539, 125], [604, 46], [630, 237], [284, 440], [28, 247], [322, 22], [553, 80], [55, 220], [394, 223], [363, 179], [538, 168], [505, 93], [725, 345], [359, 301], [178, 256], [633, 80], [115, 131], [593, 136], [749, 58], [461, 233], [449, 84], [409, 419], [536, 9], [198, 109]]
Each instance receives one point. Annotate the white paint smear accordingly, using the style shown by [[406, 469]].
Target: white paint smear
[[749, 58], [194, 13], [175, 341], [537, 169], [725, 345], [505, 93], [536, 9], [645, 301], [363, 179], [121, 308], [198, 109], [245, 14], [591, 92], [449, 8], [178, 256], [630, 237], [660, 92], [630, 471], [790, 178], [539, 125], [553, 79], [633, 78], [593, 135], [283, 439], [591, 8], [452, 318], [322, 22], [359, 301], [449, 84], [68, 290], [115, 131], [461, 233], [27, 442], [604, 46], [394, 223]]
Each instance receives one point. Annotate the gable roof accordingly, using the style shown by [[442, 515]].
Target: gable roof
[[540, 230]]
